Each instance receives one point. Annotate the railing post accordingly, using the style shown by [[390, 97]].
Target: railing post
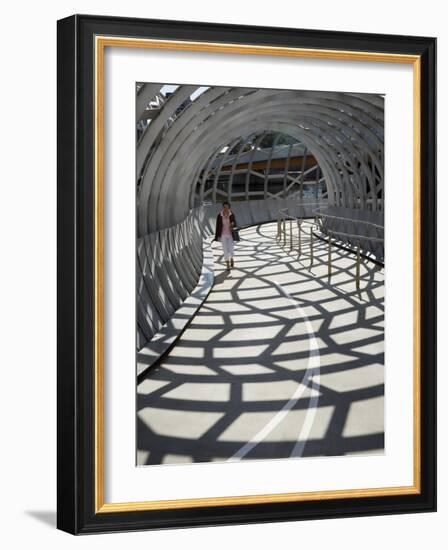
[[358, 257], [299, 236], [329, 256], [279, 228], [284, 231], [290, 233], [311, 246]]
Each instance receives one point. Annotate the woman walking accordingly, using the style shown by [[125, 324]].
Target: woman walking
[[225, 224]]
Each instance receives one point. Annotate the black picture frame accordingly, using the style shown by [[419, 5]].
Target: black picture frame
[[76, 510]]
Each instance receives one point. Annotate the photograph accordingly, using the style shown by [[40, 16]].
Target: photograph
[[260, 274]]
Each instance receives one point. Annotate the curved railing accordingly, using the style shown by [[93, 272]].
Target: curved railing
[[285, 234], [377, 228]]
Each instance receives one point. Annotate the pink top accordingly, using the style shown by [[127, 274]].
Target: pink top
[[225, 224]]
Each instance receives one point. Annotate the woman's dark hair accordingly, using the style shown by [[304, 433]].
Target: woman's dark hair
[[226, 202]]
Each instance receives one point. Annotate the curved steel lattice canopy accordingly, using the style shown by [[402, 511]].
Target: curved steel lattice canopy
[[198, 144]]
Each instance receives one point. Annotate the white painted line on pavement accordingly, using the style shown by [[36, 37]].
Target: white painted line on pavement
[[313, 364]]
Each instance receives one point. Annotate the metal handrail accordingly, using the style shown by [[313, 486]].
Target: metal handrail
[[355, 236], [317, 212], [283, 215]]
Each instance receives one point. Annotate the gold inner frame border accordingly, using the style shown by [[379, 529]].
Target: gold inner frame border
[[100, 44]]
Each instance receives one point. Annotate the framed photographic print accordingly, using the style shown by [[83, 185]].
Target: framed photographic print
[[246, 274]]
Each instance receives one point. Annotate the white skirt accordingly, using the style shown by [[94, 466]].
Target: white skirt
[[227, 246]]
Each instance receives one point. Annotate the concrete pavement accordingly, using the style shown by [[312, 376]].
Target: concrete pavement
[[278, 362]]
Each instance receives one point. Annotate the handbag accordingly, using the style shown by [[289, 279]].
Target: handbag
[[235, 234]]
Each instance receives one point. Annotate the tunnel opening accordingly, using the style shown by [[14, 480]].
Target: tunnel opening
[[263, 165]]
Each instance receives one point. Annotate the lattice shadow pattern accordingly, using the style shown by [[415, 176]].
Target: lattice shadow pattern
[[279, 362]]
